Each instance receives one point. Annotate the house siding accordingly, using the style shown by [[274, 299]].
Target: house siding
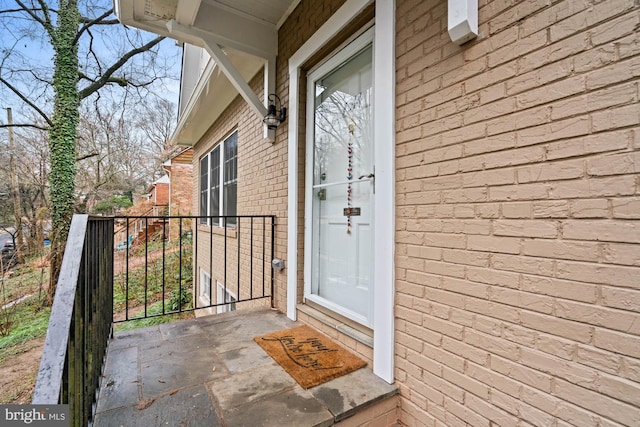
[[181, 194], [517, 207]]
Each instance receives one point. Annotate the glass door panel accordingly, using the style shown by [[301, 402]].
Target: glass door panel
[[343, 187]]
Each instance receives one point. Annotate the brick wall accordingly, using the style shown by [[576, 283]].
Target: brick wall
[[181, 183], [517, 279], [262, 182], [160, 194], [181, 194], [517, 255]]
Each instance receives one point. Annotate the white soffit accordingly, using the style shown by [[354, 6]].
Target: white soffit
[[270, 11], [239, 21]]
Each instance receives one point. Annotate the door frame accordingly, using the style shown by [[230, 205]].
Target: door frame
[[384, 129]]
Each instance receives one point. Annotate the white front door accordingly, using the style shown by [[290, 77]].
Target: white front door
[[341, 182]]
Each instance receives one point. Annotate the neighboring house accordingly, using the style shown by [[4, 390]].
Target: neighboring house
[[158, 196], [466, 218], [170, 195], [142, 226], [155, 204]]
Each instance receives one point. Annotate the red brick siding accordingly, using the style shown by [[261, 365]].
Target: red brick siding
[[160, 194], [181, 191]]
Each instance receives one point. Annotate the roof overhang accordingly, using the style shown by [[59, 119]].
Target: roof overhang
[[241, 36], [211, 96]]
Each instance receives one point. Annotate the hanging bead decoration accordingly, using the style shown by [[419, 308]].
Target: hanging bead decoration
[[352, 127]]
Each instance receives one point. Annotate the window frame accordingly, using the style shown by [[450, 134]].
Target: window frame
[[205, 287], [228, 297], [226, 178]]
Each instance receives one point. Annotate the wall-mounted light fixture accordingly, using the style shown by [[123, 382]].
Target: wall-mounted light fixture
[[274, 116]]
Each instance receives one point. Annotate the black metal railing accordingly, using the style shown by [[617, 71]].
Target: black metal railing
[[80, 322], [102, 282], [163, 268]]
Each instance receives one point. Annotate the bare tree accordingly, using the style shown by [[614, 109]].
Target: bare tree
[[157, 124], [91, 53], [116, 156], [31, 162]]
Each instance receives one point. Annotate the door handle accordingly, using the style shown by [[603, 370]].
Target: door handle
[[372, 177]]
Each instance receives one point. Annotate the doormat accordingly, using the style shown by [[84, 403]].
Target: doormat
[[308, 356]]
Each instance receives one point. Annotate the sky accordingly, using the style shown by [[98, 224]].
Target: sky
[[25, 48]]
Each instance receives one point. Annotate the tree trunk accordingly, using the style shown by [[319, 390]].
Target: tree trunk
[[15, 190], [63, 133]]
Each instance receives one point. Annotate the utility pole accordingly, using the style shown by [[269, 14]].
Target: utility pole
[[15, 189]]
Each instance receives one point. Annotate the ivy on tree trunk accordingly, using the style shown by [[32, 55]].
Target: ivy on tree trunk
[[63, 132], [64, 28]]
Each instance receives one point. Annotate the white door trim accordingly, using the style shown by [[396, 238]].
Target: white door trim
[[384, 119], [384, 129]]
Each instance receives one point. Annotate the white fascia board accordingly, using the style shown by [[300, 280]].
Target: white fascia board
[[196, 20], [203, 80], [123, 9], [184, 33], [125, 12], [233, 41]]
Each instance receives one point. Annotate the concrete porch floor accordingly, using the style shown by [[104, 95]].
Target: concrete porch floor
[[209, 372]]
